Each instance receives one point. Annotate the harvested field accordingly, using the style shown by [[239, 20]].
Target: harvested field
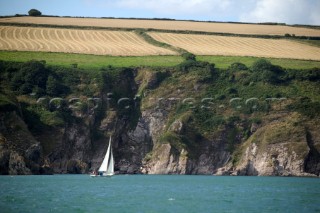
[[249, 29], [98, 42], [239, 46]]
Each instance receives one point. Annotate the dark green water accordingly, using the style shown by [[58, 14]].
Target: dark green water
[[155, 193]]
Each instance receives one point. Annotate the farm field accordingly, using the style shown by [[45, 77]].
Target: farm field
[[248, 29], [239, 46], [98, 61], [98, 42]]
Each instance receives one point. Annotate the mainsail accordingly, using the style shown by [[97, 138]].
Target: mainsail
[[107, 166]]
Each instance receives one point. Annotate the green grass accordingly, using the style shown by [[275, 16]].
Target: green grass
[[315, 43], [98, 61], [224, 62], [91, 61]]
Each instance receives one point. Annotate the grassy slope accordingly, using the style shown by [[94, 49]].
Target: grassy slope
[[96, 62], [91, 61], [225, 61]]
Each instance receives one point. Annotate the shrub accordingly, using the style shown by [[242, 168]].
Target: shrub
[[31, 74], [203, 70], [231, 90], [237, 67], [189, 56], [264, 71], [34, 12], [261, 65], [53, 87], [187, 65], [304, 75]]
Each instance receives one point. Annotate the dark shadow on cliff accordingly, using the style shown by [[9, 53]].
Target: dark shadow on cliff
[[312, 162]]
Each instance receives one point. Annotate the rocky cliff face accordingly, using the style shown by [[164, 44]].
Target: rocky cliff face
[[167, 158], [281, 148], [276, 149], [154, 137], [72, 150], [20, 152], [285, 145]]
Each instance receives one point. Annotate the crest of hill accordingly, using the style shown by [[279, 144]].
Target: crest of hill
[[269, 29]]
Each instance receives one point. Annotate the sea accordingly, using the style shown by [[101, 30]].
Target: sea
[[158, 193]]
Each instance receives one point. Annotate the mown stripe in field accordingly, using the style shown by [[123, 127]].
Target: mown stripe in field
[[181, 26], [239, 46], [98, 42]]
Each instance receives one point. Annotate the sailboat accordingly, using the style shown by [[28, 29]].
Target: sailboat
[[107, 167]]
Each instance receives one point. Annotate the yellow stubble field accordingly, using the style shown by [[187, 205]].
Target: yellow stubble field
[[252, 29], [239, 46], [98, 42]]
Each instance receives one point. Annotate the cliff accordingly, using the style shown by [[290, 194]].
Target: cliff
[[190, 119]]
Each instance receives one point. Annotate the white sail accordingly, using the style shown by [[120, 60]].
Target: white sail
[[110, 170], [107, 166]]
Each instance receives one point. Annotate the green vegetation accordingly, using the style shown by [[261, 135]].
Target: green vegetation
[[219, 100], [83, 61], [7, 102], [224, 62], [51, 96], [231, 100], [306, 107], [150, 40], [315, 43], [91, 61], [264, 71], [34, 12]]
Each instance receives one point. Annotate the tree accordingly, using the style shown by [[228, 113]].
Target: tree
[[34, 12], [31, 74], [261, 65], [237, 66], [264, 71], [189, 56]]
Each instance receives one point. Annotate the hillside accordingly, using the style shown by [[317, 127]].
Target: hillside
[[177, 97], [96, 42], [189, 119], [129, 37], [171, 25], [239, 46]]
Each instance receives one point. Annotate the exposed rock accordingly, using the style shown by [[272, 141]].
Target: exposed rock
[[279, 149], [17, 165], [156, 120], [167, 161], [284, 146], [254, 127], [75, 146], [138, 144], [176, 127], [33, 153], [108, 123], [4, 161], [312, 161], [224, 171], [77, 167], [20, 152]]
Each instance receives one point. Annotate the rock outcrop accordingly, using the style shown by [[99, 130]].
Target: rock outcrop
[[280, 148], [155, 136], [20, 152]]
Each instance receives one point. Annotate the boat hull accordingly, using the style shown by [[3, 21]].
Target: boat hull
[[101, 176]]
